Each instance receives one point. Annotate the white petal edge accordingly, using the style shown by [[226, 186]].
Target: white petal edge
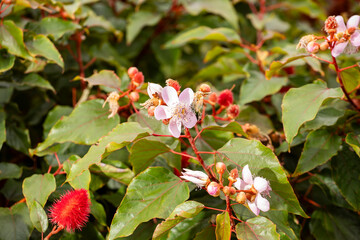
[[197, 181], [338, 49], [175, 127], [187, 96], [190, 120], [262, 203], [341, 25], [253, 207], [169, 95], [154, 88], [353, 21], [240, 184], [260, 184], [162, 112], [355, 39], [246, 175]]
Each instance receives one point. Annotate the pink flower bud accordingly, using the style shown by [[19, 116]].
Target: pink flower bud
[[134, 96], [205, 88], [132, 71], [213, 189]]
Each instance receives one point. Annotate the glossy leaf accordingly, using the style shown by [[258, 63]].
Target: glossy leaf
[[11, 38], [148, 191], [98, 211], [351, 79], [184, 211], [223, 227], [258, 228], [277, 65], [15, 222], [256, 87], [38, 216], [233, 127], [82, 180], [6, 62], [9, 170], [55, 27], [263, 163], [138, 21], [302, 104], [85, 125], [105, 78], [281, 220], [354, 141], [119, 137], [122, 175], [204, 33], [18, 138], [143, 153], [38, 187], [319, 147], [249, 114], [35, 80]]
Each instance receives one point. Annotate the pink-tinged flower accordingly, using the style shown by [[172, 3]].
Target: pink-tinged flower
[[213, 189], [178, 109], [197, 177], [154, 90], [346, 34], [72, 210], [259, 186]]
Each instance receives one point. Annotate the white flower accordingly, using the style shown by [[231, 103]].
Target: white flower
[[113, 103], [178, 109], [349, 33], [154, 89], [261, 186], [197, 177]]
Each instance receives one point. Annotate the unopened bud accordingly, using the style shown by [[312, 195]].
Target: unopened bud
[[234, 173], [151, 111], [173, 83], [229, 191], [241, 197], [220, 167], [225, 98], [166, 121], [134, 96], [213, 189], [132, 71], [313, 47], [205, 88], [324, 46], [213, 98], [233, 111], [138, 79]]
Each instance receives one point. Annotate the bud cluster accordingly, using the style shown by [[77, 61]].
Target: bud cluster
[[225, 99]]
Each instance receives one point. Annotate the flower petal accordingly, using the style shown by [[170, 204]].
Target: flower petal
[[262, 203], [154, 88], [175, 127], [197, 181], [197, 174], [162, 112], [353, 21], [190, 119], [355, 39], [187, 96], [338, 49], [253, 207], [260, 184], [341, 25], [169, 95], [240, 184], [246, 174]]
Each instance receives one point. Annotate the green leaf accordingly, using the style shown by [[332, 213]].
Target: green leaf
[[207, 233], [258, 228], [249, 114], [15, 222], [354, 141], [143, 153], [38, 216], [233, 127], [11, 38], [106, 78], [223, 8], [82, 180], [85, 125], [119, 137], [184, 211], [2, 127], [35, 80], [138, 21], [351, 79], [18, 138], [263, 163], [334, 224], [154, 193], [256, 87], [204, 33], [281, 220], [9, 170], [98, 211], [275, 66], [319, 147], [38, 187], [346, 168], [55, 27], [122, 175], [40, 45], [6, 62], [302, 104], [223, 227], [53, 116]]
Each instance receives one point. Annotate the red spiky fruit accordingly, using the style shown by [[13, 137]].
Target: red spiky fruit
[[225, 98]]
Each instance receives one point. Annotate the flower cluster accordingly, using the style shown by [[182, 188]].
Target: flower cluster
[[341, 38], [225, 99]]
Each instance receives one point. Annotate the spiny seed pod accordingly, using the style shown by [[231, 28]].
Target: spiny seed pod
[[330, 24], [225, 98], [138, 79], [132, 71], [213, 98], [205, 88], [220, 167], [213, 189], [324, 46], [134, 96], [241, 197], [151, 111], [233, 111], [173, 83]]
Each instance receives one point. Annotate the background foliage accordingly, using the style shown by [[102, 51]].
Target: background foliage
[[60, 58]]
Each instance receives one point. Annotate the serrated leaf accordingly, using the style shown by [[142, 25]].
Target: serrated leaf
[[122, 135], [223, 227], [319, 147], [40, 45], [85, 125], [6, 62], [302, 104], [38, 216], [205, 34], [55, 27], [11, 38], [184, 211], [275, 66], [38, 187], [256, 87], [223, 8], [105, 78], [138, 21], [263, 163], [9, 170], [35, 80], [354, 141], [2, 127], [15, 222], [258, 228], [154, 193]]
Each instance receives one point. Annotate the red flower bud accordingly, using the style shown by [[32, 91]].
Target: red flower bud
[[233, 111], [132, 71], [205, 88], [138, 79], [173, 83], [213, 98], [225, 98]]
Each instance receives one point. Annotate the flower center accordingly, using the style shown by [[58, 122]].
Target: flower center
[[179, 111]]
